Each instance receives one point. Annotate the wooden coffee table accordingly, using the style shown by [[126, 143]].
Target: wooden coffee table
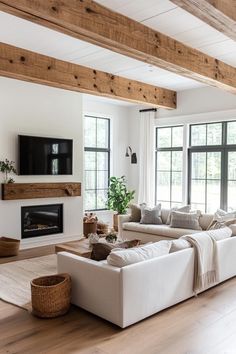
[[80, 248]]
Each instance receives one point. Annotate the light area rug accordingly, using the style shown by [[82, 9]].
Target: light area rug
[[15, 278]]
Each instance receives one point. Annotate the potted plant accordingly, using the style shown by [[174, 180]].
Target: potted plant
[[7, 167], [118, 197]]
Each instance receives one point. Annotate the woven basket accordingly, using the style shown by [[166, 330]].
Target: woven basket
[[51, 295], [9, 247], [90, 228]]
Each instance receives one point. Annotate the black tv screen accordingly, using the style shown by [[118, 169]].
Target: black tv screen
[[45, 156]]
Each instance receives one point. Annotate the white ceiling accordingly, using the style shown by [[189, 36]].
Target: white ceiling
[[168, 18], [161, 15]]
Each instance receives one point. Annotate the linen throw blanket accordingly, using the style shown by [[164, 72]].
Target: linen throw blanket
[[205, 260]]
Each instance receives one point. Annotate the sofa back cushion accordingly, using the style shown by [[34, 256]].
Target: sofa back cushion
[[185, 220], [220, 234], [217, 235], [205, 221], [164, 215], [178, 245], [121, 258]]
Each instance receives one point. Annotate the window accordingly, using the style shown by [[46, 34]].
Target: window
[[205, 180], [212, 166], [97, 162], [169, 160]]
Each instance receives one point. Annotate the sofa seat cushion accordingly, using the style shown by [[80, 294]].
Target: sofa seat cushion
[[159, 230]]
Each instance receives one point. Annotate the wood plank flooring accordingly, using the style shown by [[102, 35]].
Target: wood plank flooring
[[202, 325], [30, 253]]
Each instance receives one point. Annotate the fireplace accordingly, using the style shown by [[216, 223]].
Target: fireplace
[[40, 220]]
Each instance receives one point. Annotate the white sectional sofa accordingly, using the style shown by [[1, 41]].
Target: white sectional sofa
[[145, 232], [127, 295]]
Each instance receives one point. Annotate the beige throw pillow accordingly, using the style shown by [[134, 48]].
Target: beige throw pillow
[[135, 210], [184, 209], [185, 220]]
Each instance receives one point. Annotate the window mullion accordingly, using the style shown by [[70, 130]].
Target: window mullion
[[224, 178], [171, 178], [224, 169], [206, 182]]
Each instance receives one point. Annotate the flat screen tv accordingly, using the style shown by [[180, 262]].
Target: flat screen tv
[[45, 156]]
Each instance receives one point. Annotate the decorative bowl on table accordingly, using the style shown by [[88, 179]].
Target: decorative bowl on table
[[111, 237]]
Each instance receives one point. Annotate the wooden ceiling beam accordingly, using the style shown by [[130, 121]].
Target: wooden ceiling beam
[[24, 65], [94, 23], [219, 14]]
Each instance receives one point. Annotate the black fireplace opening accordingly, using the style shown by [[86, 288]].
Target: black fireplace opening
[[40, 220]]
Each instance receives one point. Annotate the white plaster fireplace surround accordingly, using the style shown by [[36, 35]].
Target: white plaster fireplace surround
[[32, 109]]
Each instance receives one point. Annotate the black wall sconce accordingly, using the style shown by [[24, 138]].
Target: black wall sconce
[[130, 153]]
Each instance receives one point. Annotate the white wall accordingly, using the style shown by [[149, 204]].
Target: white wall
[[134, 132], [119, 116], [193, 106], [32, 109], [201, 100]]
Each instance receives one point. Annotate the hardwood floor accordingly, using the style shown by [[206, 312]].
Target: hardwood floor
[[30, 253], [202, 325]]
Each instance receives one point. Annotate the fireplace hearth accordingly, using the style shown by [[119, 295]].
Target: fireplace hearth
[[41, 220]]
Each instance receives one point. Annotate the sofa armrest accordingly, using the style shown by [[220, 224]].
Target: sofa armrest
[[121, 220], [96, 287]]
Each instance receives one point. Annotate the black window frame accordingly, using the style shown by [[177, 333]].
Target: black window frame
[[167, 149], [224, 148], [96, 149]]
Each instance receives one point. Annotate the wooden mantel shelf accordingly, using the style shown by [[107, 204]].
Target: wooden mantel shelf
[[12, 191]]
